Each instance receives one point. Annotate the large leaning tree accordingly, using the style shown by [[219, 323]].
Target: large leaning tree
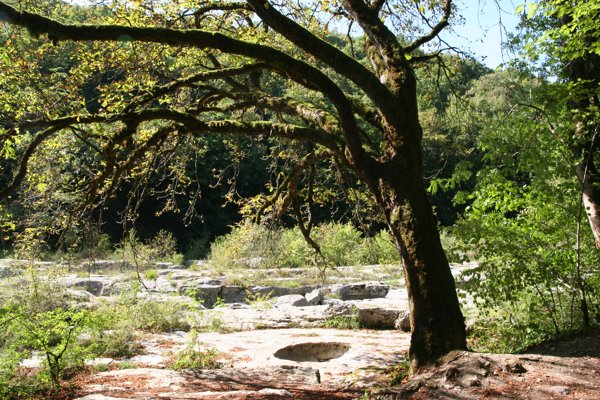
[[238, 56]]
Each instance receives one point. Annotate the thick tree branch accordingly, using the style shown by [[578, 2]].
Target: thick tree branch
[[24, 163], [307, 41], [200, 77], [339, 61], [235, 6], [382, 38], [297, 70], [443, 22]]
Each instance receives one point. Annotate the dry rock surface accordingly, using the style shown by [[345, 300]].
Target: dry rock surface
[[328, 364]]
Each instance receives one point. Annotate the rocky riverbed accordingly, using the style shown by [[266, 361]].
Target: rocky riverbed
[[273, 341]]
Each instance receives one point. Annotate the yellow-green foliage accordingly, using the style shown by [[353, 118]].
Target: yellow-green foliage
[[250, 246]]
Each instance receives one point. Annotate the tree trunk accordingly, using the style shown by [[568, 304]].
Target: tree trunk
[[590, 188], [437, 323], [584, 74]]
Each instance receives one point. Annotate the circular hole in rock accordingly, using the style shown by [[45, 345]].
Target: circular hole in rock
[[316, 352]]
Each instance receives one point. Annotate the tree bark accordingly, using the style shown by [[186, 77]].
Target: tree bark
[[437, 323], [590, 189], [584, 74]]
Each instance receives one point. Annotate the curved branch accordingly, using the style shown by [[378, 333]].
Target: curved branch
[[293, 176], [24, 163], [190, 80], [297, 70], [221, 7], [443, 22], [329, 54], [381, 36]]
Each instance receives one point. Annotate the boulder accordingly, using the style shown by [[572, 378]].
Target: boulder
[[315, 297], [362, 291], [206, 294], [378, 318], [339, 308], [105, 265], [96, 284], [291, 300], [403, 321], [233, 294], [277, 291]]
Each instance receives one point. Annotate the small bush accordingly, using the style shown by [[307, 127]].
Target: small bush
[[260, 301], [252, 246], [343, 321], [193, 357], [163, 247], [379, 249], [126, 365], [156, 317], [339, 243], [52, 333], [151, 274], [118, 343], [247, 246], [296, 252], [196, 359]]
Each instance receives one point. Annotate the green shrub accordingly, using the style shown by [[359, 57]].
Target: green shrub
[[196, 359], [295, 251], [53, 333], [247, 246], [117, 343], [250, 246], [156, 317], [151, 274], [193, 357], [126, 365], [343, 321], [511, 327], [339, 243], [260, 301], [379, 249], [162, 247]]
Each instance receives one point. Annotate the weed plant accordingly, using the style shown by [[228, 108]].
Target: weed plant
[[194, 357]]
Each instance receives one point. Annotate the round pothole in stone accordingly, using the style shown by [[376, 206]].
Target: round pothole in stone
[[315, 352]]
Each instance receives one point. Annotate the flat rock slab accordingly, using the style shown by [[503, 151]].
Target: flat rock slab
[[253, 371], [259, 384]]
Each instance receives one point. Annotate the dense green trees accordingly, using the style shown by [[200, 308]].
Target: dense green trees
[[537, 140]]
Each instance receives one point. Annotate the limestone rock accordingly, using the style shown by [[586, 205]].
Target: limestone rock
[[233, 294], [339, 308], [291, 300], [278, 291], [403, 321], [361, 291], [315, 297], [378, 318], [98, 285], [206, 294]]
